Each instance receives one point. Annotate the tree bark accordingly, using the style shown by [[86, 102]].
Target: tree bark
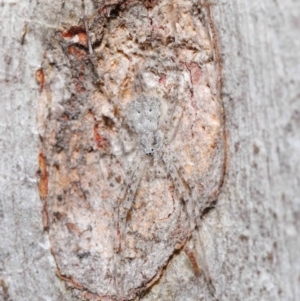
[[250, 236]]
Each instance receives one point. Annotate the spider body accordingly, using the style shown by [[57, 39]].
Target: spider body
[[144, 115]]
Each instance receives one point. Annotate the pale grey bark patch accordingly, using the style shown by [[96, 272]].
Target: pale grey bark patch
[[27, 269]]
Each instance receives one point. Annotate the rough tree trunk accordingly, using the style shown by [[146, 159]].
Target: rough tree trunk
[[250, 238]]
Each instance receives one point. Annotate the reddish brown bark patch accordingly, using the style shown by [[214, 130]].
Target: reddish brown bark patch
[[43, 187], [43, 183], [40, 78], [101, 141]]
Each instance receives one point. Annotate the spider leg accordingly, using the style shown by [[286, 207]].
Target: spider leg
[[174, 118], [203, 260], [186, 192], [139, 83], [174, 122], [182, 187], [125, 201], [86, 28]]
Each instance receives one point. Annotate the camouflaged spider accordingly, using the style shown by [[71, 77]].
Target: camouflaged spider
[[145, 119]]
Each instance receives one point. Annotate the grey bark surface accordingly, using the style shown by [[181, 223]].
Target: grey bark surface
[[251, 238]]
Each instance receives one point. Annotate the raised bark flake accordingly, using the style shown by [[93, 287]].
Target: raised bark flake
[[132, 135]]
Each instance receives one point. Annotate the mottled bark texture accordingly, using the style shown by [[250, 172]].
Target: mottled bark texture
[[249, 237]]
